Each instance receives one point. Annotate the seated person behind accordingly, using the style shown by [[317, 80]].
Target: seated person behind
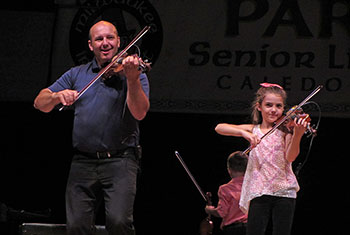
[[233, 219]]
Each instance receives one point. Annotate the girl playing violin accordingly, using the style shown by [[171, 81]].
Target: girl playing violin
[[270, 186]]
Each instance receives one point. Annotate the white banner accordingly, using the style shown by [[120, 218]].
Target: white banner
[[215, 54], [210, 56]]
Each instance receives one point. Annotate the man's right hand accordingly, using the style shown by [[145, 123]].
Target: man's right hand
[[65, 97], [47, 100]]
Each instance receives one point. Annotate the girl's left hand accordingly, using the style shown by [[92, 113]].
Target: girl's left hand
[[300, 126]]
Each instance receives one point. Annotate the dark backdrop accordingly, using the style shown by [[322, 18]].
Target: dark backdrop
[[35, 156]]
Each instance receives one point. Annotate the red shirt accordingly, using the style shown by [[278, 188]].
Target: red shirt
[[228, 205]]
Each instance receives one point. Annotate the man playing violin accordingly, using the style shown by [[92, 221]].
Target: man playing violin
[[105, 135]]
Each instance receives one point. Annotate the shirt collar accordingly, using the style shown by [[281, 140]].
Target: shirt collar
[[94, 66]]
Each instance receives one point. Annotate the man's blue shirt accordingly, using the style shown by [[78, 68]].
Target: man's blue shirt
[[102, 121]]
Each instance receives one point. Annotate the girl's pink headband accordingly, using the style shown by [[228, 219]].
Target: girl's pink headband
[[266, 84]]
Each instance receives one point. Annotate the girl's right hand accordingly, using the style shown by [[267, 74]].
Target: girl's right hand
[[253, 139]]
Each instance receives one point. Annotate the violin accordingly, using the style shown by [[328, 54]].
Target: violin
[[288, 124], [118, 67], [206, 226]]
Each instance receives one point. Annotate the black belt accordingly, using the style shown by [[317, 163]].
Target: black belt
[[107, 154]]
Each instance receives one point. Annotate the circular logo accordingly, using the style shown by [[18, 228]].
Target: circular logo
[[129, 17]]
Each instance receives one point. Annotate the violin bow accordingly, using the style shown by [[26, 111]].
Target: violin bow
[[191, 176], [288, 114], [114, 60]]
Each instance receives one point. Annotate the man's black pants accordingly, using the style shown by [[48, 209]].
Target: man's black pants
[[114, 179]]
